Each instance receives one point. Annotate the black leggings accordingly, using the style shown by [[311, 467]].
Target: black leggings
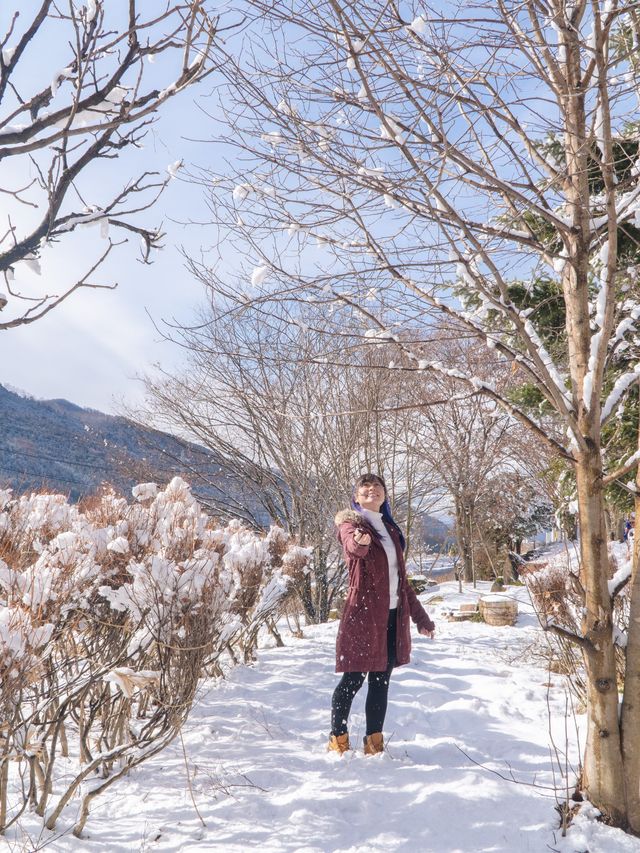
[[351, 682]]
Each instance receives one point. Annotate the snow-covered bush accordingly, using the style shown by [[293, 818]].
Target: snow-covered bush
[[559, 599], [110, 613]]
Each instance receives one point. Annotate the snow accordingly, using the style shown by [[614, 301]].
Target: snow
[[559, 263], [493, 597], [174, 168], [599, 128], [587, 383], [621, 575], [165, 93], [273, 138], [418, 25], [467, 766], [632, 460], [555, 376], [562, 52], [127, 680], [59, 77], [92, 10], [144, 491], [390, 129], [468, 731], [90, 217], [480, 385], [33, 263], [376, 172], [240, 192], [379, 334], [116, 95], [259, 274], [626, 325], [621, 385], [119, 545], [286, 109], [599, 322], [588, 835]]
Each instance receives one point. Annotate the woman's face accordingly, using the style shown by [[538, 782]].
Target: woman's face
[[370, 496]]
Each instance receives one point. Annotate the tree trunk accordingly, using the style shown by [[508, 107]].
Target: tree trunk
[[507, 571], [322, 586], [472, 555], [464, 540], [603, 770], [630, 718], [306, 598]]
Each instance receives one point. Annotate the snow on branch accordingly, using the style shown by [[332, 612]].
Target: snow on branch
[[102, 101], [620, 579], [624, 469], [621, 386], [558, 381]]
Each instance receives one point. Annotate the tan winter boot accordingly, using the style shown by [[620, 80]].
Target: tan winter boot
[[338, 743], [373, 744]]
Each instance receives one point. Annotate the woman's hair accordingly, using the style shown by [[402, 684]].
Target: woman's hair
[[385, 509]]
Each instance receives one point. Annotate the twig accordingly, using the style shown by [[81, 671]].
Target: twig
[[510, 778], [186, 767]]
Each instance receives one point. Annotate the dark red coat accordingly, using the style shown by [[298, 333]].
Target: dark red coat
[[361, 645]]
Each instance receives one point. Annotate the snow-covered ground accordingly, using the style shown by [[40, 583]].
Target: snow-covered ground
[[471, 763]]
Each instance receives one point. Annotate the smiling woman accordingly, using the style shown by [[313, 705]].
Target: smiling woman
[[374, 634]]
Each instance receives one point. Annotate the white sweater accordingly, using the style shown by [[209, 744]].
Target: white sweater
[[375, 520]]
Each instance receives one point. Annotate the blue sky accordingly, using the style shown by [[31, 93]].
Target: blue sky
[[91, 349]]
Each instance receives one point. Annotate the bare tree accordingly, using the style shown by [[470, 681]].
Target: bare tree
[[512, 508], [253, 393], [294, 427], [475, 446], [467, 439], [437, 160], [78, 88]]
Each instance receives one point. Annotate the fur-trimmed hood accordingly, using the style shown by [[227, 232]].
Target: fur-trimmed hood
[[349, 515]]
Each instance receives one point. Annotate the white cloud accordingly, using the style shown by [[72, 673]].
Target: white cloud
[[90, 349]]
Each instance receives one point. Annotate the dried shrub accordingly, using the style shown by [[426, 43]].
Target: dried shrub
[[558, 598], [110, 614]]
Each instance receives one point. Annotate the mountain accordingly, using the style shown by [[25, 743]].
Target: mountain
[[435, 533], [57, 445]]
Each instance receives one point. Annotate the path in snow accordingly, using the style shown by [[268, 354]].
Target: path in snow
[[262, 779]]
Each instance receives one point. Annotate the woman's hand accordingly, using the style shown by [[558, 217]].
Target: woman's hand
[[427, 633], [361, 538]]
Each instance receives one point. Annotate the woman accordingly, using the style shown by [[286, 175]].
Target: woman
[[374, 634]]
